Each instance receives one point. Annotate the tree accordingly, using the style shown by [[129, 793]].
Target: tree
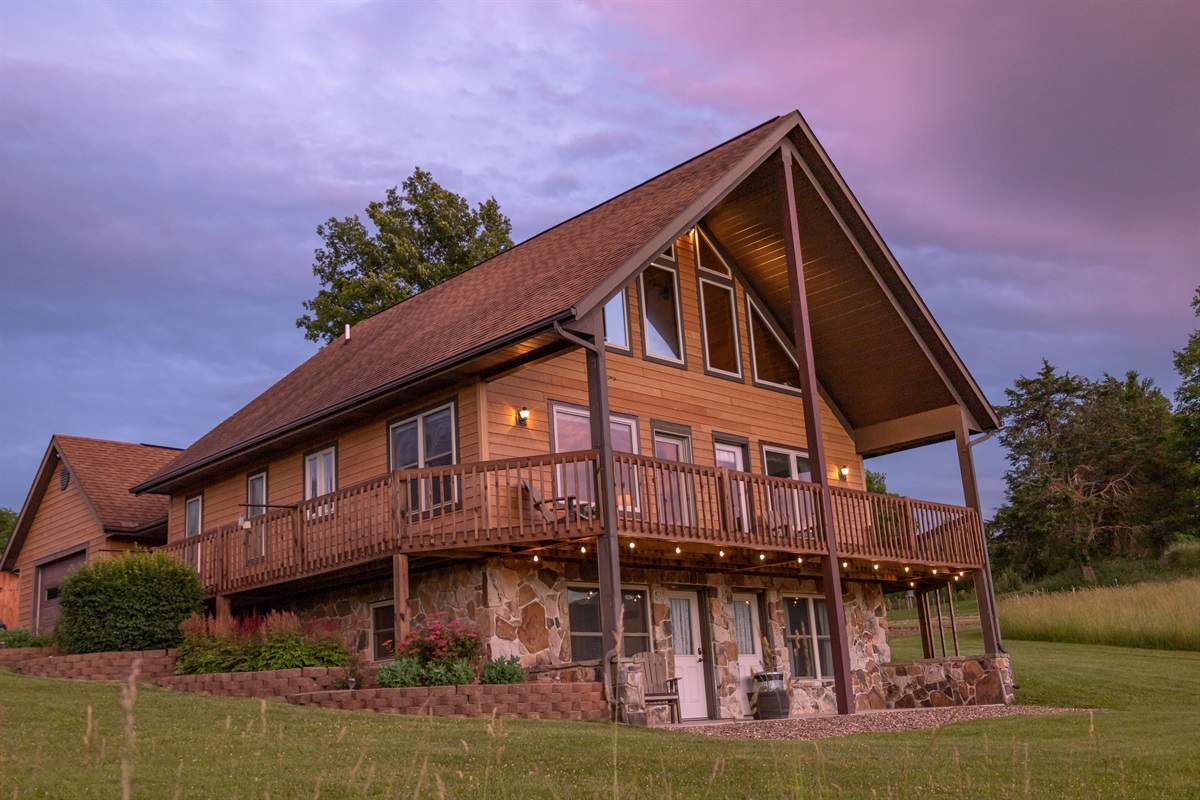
[[8, 521], [419, 239], [1186, 427], [1091, 471]]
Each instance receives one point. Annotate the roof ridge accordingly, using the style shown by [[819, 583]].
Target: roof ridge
[[72, 437]]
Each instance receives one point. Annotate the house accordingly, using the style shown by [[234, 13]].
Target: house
[[643, 428], [79, 509]]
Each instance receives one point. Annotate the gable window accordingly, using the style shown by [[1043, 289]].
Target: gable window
[[773, 364], [571, 427], [707, 258], [718, 318], [616, 322], [422, 441], [809, 650], [383, 631], [583, 603], [661, 324], [320, 473]]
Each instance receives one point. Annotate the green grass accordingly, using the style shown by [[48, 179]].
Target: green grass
[[190, 746], [1154, 615]]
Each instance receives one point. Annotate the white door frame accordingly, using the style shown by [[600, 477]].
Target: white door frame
[[692, 668]]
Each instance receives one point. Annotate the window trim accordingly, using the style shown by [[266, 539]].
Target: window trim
[[669, 254], [572, 408], [764, 446], [637, 587], [815, 637], [709, 369], [375, 659], [772, 326], [628, 346], [198, 498], [250, 476], [256, 546], [673, 271], [316, 451]]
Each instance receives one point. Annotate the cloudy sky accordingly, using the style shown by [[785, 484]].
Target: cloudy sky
[[163, 166]]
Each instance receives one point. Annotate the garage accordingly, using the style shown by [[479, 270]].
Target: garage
[[49, 577]]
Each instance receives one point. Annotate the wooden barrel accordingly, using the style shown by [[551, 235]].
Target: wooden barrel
[[770, 704]]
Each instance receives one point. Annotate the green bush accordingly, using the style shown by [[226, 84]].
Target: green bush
[[503, 670], [449, 672], [255, 644], [19, 637], [401, 673], [132, 602], [1183, 557]]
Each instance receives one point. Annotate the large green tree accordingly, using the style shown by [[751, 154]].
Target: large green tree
[[8, 521], [1187, 421], [1091, 471], [417, 239]]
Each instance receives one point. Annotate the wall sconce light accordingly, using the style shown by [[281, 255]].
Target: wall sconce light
[[523, 417], [843, 473]]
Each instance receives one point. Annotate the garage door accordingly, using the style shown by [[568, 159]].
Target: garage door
[[49, 578]]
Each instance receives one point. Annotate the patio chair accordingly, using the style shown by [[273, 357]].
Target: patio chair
[[552, 510], [661, 688]]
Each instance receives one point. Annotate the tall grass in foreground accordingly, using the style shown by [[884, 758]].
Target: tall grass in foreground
[[1151, 615]]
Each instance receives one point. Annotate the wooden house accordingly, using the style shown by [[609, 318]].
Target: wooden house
[[650, 418], [78, 509]]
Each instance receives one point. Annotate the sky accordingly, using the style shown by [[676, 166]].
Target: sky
[[1035, 167]]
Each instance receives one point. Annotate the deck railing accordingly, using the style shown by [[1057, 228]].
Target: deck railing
[[553, 497]]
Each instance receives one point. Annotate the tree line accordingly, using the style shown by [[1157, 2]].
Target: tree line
[[1098, 468]]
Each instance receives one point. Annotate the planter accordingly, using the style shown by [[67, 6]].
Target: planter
[[770, 704], [769, 681]]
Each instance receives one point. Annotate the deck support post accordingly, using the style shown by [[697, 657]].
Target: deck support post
[[223, 606], [985, 592], [400, 595], [832, 581], [608, 549], [923, 624]]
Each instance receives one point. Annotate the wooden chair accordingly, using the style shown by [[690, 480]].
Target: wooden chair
[[553, 510], [661, 688]]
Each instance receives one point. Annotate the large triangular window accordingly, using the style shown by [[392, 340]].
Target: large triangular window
[[773, 364]]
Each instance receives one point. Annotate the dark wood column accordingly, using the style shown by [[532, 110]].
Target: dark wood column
[[223, 606], [400, 595], [984, 592], [608, 551], [832, 579]]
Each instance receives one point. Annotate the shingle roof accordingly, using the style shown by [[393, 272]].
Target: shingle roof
[[106, 470], [534, 282]]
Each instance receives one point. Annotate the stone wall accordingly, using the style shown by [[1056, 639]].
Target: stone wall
[[53, 662], [953, 681], [576, 701]]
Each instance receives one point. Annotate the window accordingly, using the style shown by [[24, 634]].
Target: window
[[773, 363], [572, 429], [744, 625], [791, 506], [320, 473], [722, 353], [810, 652], [427, 440], [661, 325], [584, 617], [383, 631], [707, 258], [256, 506], [674, 489], [616, 322], [193, 516], [733, 457], [256, 495]]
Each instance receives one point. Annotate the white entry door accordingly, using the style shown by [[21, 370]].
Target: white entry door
[[689, 658], [749, 644]]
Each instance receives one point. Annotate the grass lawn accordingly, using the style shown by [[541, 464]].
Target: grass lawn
[[190, 746]]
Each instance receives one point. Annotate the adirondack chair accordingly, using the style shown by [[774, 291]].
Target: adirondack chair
[[553, 510], [661, 688]]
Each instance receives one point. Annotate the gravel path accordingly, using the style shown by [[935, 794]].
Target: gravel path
[[805, 728]]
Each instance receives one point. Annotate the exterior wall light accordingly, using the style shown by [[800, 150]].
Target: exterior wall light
[[844, 474], [523, 417]]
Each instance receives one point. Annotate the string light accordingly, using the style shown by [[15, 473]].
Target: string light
[[876, 566], [799, 559], [910, 583], [583, 548], [535, 558], [678, 550], [762, 556], [721, 553], [632, 545], [935, 570], [955, 577], [845, 564], [906, 569]]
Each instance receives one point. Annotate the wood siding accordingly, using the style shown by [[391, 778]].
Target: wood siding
[[362, 454], [652, 391], [63, 522]]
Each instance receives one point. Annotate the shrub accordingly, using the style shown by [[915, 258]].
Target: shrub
[[503, 670], [19, 637], [439, 641], [132, 602], [401, 673], [449, 672], [279, 640], [1183, 557]]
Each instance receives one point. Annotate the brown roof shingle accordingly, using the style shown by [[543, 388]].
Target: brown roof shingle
[[106, 470], [534, 282]]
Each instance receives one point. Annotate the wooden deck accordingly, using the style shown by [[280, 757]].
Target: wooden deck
[[531, 501]]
